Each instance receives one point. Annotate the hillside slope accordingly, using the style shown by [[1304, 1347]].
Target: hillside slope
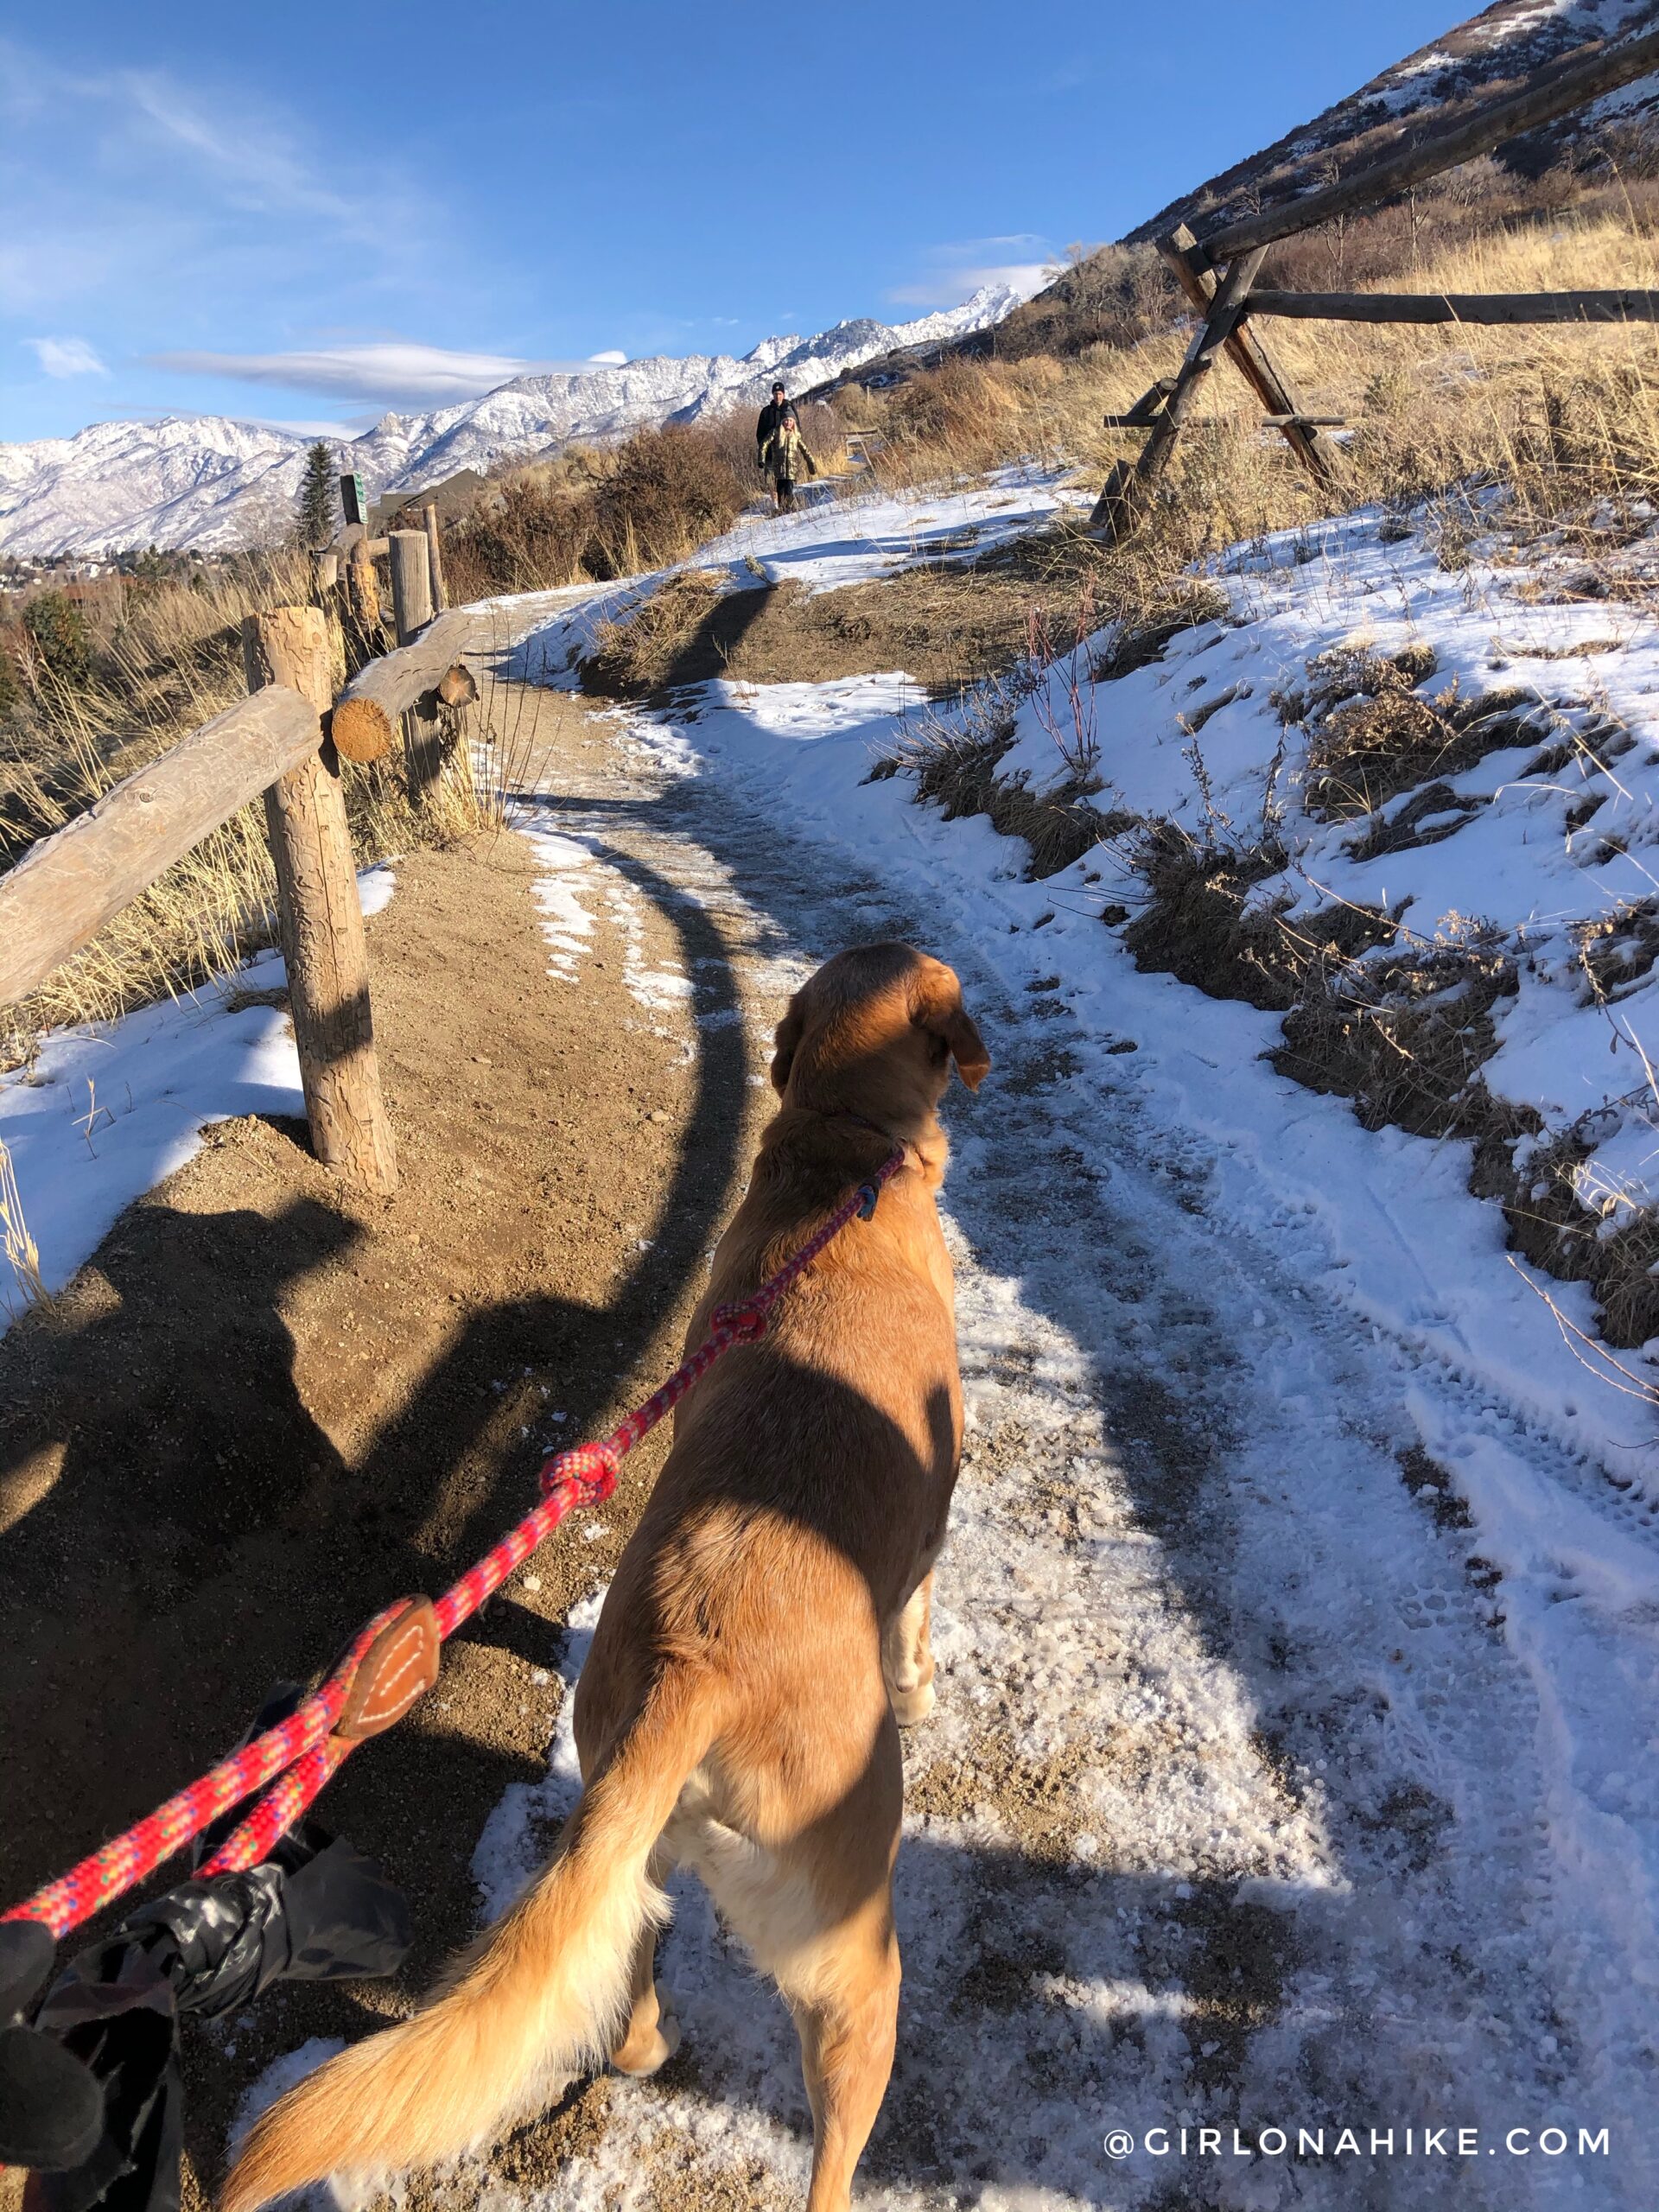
[[1473, 62]]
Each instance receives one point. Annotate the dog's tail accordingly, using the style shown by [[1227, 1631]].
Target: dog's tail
[[544, 1992]]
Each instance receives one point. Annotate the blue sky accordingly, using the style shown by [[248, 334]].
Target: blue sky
[[307, 214]]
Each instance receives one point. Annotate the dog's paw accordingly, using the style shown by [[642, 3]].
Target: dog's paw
[[641, 2055], [910, 1706]]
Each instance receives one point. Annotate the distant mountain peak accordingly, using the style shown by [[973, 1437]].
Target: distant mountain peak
[[215, 483]]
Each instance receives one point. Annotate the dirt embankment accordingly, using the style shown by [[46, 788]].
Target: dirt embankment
[[266, 1406], [949, 624]]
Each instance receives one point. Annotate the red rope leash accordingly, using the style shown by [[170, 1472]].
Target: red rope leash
[[304, 1750]]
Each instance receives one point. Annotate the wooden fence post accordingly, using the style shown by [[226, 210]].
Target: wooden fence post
[[1124, 496], [365, 631], [435, 546], [322, 917], [412, 601], [1250, 358]]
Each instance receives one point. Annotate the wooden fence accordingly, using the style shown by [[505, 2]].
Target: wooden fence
[[1218, 275], [284, 740]]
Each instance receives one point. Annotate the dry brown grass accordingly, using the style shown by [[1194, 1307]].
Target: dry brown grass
[[165, 661], [1562, 416], [17, 1248], [594, 513]]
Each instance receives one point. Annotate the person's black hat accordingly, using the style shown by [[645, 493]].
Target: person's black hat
[[778, 387]]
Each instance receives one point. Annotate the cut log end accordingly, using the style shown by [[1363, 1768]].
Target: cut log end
[[361, 730], [457, 688]]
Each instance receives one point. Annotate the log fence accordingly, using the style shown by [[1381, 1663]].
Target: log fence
[[1218, 276], [279, 741]]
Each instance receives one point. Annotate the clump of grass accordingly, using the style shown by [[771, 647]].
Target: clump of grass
[[667, 638], [1152, 612], [1372, 735], [953, 760], [19, 1249], [1405, 1036]]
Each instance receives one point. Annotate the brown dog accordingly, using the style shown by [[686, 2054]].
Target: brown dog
[[766, 1628]]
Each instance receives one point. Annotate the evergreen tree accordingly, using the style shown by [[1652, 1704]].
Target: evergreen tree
[[316, 527], [57, 630]]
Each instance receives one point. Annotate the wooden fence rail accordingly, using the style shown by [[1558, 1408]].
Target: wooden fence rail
[[278, 742], [1217, 272], [69, 886], [1478, 307]]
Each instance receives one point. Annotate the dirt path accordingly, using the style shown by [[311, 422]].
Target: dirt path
[[1230, 1814]]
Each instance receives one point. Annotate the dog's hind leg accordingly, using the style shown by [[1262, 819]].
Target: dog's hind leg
[[847, 2025], [908, 1656], [825, 1934], [652, 2034]]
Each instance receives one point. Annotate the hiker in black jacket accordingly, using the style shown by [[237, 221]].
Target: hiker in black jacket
[[770, 415]]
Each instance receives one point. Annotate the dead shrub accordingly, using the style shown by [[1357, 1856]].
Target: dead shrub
[[953, 763], [1617, 951], [1428, 816], [1405, 1037], [1195, 926], [668, 492], [1148, 626], [524, 534], [666, 639], [1626, 1280], [594, 513], [1372, 735], [1567, 1224]]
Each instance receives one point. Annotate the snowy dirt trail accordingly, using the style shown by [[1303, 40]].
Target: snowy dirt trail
[[1231, 1813]]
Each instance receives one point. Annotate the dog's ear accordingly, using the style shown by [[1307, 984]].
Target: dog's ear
[[940, 1011], [967, 1048], [788, 1040]]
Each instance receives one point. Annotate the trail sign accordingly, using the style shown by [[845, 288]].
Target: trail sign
[[354, 499]]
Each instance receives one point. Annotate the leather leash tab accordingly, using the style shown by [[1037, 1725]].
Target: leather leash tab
[[395, 1673]]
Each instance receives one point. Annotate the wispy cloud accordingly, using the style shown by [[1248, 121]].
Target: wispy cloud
[[422, 375], [66, 357], [953, 273], [160, 203]]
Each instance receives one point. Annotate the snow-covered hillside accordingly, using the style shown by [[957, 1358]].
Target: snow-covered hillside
[[202, 481], [1531, 844], [1475, 59]]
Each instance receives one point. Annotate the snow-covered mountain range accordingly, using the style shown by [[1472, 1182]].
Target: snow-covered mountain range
[[214, 484]]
